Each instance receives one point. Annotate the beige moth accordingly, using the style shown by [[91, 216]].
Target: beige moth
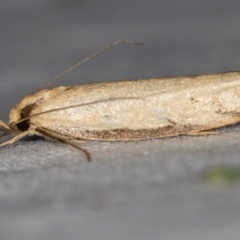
[[127, 110]]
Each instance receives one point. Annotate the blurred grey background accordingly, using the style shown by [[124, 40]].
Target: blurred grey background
[[136, 190]]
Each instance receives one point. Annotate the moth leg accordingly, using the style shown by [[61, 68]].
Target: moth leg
[[4, 134], [78, 141], [4, 127], [202, 133], [14, 138], [63, 139]]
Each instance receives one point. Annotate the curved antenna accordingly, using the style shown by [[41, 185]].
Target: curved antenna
[[73, 106], [90, 57]]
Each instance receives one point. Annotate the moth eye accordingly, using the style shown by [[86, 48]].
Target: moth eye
[[23, 126]]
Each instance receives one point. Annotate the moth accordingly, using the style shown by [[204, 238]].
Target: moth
[[127, 110]]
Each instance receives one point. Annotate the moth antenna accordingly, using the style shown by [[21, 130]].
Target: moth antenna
[[77, 105], [80, 105], [84, 104], [89, 58]]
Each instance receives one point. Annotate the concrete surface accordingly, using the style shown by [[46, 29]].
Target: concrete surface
[[137, 190]]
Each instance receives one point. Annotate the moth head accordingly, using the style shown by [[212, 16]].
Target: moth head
[[15, 122], [19, 116]]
